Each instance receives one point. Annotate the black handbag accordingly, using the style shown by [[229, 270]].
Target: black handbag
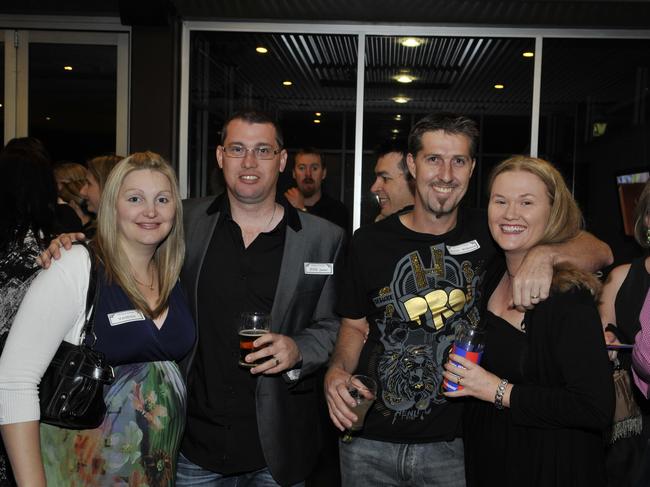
[[71, 392]]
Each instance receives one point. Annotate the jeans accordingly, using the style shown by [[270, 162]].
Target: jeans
[[379, 463], [189, 474]]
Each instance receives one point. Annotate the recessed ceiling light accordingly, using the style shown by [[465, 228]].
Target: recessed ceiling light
[[395, 131], [528, 54], [287, 83], [316, 120], [398, 117], [401, 99], [410, 42], [48, 118], [261, 49], [499, 86], [67, 68], [0, 105], [404, 78], [318, 114]]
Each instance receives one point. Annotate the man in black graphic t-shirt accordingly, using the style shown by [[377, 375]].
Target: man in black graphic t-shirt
[[412, 279]]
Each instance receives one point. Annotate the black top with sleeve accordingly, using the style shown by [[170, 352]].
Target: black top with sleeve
[[222, 432], [414, 289], [560, 405]]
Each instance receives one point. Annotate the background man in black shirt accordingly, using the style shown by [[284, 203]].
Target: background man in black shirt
[[309, 171], [245, 252]]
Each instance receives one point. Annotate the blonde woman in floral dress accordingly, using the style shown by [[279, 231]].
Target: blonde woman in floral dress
[[143, 326]]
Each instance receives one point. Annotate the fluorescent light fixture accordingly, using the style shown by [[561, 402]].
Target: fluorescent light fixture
[[318, 114], [401, 99], [287, 83], [316, 120], [411, 42], [261, 49], [67, 68], [499, 86], [528, 54]]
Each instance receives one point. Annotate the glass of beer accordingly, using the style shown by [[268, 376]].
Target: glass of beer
[[363, 390], [252, 325]]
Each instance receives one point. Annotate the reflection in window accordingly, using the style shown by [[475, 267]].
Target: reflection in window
[[487, 79], [306, 81], [72, 99], [595, 108]]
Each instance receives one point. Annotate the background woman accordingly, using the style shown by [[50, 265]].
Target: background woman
[[545, 387], [620, 305], [96, 176], [70, 178], [139, 247], [27, 222]]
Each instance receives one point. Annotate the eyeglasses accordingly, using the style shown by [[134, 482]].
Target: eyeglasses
[[263, 152]]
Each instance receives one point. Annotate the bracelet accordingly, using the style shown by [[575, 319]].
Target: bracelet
[[501, 390]]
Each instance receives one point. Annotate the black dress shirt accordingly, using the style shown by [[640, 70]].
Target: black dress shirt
[[221, 433], [332, 210]]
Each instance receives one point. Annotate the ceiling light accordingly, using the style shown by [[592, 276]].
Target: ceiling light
[[404, 78], [395, 131], [316, 120], [499, 86], [67, 68], [287, 83], [398, 117], [401, 99], [528, 54], [0, 105], [410, 42], [261, 49], [318, 114], [48, 118]]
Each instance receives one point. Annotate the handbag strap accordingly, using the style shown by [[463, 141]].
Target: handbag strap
[[92, 299]]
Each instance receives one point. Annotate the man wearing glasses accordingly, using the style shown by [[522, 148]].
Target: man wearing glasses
[[245, 252]]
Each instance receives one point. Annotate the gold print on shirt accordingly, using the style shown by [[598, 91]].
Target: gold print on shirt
[[441, 305]]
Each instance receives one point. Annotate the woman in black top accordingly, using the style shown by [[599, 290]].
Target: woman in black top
[[544, 390]]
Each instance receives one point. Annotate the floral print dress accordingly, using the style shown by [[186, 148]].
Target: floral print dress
[[137, 444]]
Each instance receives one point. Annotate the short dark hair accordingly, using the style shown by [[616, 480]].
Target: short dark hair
[[252, 116], [314, 151], [451, 123], [398, 146]]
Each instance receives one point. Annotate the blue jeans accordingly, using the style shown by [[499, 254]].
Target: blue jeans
[[189, 474], [374, 463]]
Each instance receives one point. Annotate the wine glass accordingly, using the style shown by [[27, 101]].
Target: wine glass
[[363, 390]]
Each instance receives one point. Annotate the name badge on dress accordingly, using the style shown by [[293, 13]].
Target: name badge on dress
[[122, 317], [319, 268], [464, 248]]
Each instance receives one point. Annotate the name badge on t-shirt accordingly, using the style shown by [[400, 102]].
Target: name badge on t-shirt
[[122, 317], [319, 268], [464, 248]]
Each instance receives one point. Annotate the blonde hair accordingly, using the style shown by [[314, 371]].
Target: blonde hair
[[641, 211], [169, 255], [71, 177], [100, 167], [565, 219]]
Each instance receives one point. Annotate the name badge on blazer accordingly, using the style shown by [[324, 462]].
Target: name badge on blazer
[[122, 317], [464, 248], [319, 268]]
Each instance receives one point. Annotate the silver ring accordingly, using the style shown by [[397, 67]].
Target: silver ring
[[535, 297]]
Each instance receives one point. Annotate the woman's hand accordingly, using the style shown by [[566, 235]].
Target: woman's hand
[[476, 381]]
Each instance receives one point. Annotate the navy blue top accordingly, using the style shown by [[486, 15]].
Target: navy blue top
[[125, 338]]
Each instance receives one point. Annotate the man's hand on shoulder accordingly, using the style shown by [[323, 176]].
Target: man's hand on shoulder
[[53, 251], [532, 282], [295, 197]]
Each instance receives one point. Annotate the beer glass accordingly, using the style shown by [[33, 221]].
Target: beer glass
[[363, 390], [252, 325]]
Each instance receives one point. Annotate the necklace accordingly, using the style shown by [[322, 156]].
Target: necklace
[[272, 215], [150, 286]]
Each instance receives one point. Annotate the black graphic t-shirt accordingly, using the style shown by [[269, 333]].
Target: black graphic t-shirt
[[414, 289]]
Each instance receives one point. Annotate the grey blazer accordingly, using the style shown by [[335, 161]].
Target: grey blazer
[[303, 308]]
